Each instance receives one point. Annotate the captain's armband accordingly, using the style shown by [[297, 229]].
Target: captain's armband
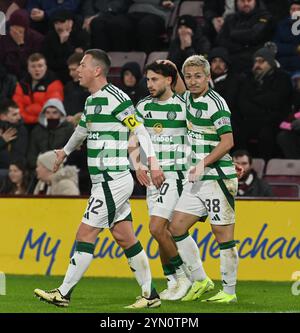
[[131, 122]]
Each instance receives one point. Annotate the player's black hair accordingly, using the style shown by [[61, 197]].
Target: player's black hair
[[100, 56], [163, 69]]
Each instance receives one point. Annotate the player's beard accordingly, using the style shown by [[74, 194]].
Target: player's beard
[[159, 93]]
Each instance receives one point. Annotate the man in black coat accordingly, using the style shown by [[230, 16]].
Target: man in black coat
[[13, 134], [264, 101], [250, 185], [62, 40], [244, 32], [189, 40]]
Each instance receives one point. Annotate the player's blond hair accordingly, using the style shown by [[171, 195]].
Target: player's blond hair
[[197, 61]]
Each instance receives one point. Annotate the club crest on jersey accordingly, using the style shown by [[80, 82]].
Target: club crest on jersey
[[198, 114], [158, 128], [171, 115], [98, 109]]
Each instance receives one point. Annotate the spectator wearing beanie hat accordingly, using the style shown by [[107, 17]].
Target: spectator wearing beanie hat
[[63, 182], [224, 81], [264, 102], [189, 40], [19, 43], [287, 41]]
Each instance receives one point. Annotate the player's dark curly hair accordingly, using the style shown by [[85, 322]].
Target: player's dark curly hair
[[163, 69]]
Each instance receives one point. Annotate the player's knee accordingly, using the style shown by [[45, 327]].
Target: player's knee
[[175, 229], [156, 229]]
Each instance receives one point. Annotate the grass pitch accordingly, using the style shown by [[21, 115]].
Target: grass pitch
[[109, 295]]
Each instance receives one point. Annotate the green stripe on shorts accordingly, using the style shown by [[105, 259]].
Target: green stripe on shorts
[[110, 204]]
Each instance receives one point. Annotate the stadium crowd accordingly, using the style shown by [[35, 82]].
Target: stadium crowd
[[253, 47]]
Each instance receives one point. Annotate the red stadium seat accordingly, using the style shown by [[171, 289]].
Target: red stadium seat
[[285, 190], [284, 172], [118, 59], [156, 56], [282, 167]]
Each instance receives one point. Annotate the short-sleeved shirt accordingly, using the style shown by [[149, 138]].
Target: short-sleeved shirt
[[165, 122], [107, 140], [208, 117]]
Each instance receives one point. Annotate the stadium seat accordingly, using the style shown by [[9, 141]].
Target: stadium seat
[[258, 164], [283, 175], [156, 56], [194, 8], [118, 59], [285, 190], [283, 167]]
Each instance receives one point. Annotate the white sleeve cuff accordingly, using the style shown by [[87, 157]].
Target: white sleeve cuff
[[144, 140]]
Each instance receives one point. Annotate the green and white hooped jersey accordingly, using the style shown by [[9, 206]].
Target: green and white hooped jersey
[[107, 140], [208, 117], [165, 122]]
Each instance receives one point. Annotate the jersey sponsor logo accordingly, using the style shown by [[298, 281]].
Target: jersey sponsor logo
[[148, 115], [98, 109], [158, 138], [223, 121], [171, 115], [195, 135], [158, 128]]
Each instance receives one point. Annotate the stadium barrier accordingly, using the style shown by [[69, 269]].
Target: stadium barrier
[[37, 237]]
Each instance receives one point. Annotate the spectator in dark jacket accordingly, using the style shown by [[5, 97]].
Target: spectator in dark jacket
[[36, 88], [64, 39], [141, 28], [189, 41], [52, 132], [99, 19], [264, 101], [250, 185], [41, 11], [214, 12], [226, 83], [133, 83], [244, 32], [13, 134], [74, 94], [19, 43], [7, 84], [288, 43]]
